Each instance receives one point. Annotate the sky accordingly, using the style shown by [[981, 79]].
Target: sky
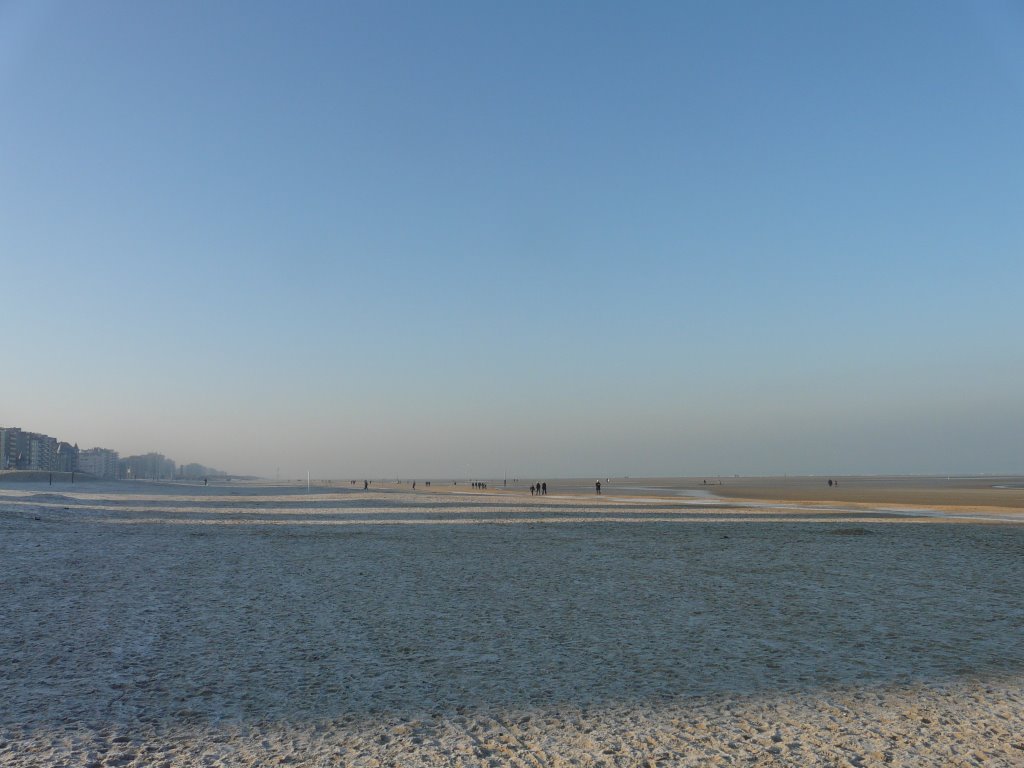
[[459, 239]]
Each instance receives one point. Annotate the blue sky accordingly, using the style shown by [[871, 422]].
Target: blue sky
[[553, 239]]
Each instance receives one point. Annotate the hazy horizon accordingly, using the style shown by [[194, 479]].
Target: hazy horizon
[[375, 240]]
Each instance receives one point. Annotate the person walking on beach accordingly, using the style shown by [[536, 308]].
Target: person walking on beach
[[366, 484], [531, 490], [597, 485], [544, 489]]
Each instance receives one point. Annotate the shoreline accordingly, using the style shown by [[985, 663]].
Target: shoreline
[[935, 498]]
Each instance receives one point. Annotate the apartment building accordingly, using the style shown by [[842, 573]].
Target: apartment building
[[14, 448], [42, 452], [99, 462], [65, 459], [34, 450], [149, 466]]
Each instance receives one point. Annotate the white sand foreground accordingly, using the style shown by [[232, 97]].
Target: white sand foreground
[[250, 626]]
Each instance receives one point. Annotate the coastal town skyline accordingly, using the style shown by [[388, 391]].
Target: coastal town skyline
[[25, 450]]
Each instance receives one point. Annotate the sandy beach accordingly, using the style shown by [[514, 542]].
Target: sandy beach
[[249, 625]]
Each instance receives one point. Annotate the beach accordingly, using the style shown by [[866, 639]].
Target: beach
[[663, 623]]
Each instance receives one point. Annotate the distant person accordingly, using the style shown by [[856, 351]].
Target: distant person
[[597, 485], [366, 484], [205, 481], [544, 488], [531, 490], [829, 483], [414, 485]]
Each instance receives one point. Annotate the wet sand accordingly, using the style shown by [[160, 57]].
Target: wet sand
[[952, 493], [250, 625]]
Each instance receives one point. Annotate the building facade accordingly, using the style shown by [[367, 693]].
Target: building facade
[[99, 462], [42, 452], [33, 450], [14, 448], [149, 466], [66, 458]]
